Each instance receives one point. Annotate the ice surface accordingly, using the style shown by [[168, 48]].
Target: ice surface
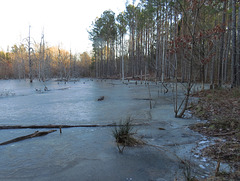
[[66, 103], [90, 153]]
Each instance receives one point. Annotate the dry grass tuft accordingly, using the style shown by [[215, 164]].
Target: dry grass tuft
[[123, 135]]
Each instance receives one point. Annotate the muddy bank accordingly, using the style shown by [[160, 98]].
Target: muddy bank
[[221, 109]]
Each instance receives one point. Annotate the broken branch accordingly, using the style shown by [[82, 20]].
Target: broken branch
[[35, 134]]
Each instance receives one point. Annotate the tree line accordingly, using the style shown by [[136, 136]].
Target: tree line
[[187, 40], [38, 61]]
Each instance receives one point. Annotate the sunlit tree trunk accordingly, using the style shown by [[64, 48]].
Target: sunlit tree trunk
[[29, 57]]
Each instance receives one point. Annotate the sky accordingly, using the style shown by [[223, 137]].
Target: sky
[[64, 22]]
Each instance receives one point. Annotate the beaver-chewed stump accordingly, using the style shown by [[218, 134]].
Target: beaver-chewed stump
[[101, 98]]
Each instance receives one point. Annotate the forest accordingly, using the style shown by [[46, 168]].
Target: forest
[[179, 41], [36, 61], [162, 40], [187, 41]]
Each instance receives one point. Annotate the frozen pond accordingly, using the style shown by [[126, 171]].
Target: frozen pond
[[71, 103], [90, 153]]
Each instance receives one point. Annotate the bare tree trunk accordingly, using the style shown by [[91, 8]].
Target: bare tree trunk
[[157, 47], [122, 61], [107, 49], [185, 101], [238, 47], [115, 50], [163, 60], [146, 55], [39, 62], [29, 56], [60, 64], [222, 46], [41, 65], [226, 56], [234, 48], [212, 77], [43, 62], [176, 70], [102, 63], [70, 64]]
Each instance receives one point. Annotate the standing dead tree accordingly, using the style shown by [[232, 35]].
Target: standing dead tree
[[41, 63], [29, 57]]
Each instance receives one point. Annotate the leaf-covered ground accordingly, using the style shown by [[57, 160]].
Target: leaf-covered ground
[[221, 109]]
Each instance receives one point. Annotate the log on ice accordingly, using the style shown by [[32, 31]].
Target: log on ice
[[35, 134]]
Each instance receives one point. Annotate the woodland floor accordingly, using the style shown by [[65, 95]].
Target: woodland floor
[[221, 109]]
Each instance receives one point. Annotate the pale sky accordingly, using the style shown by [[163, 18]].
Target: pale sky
[[65, 22]]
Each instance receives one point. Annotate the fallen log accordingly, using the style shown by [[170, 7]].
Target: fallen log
[[65, 126], [35, 134]]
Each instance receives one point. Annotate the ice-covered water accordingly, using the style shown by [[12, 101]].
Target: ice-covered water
[[71, 103], [89, 153]]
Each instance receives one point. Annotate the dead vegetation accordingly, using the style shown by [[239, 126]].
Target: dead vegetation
[[123, 135], [221, 109]]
